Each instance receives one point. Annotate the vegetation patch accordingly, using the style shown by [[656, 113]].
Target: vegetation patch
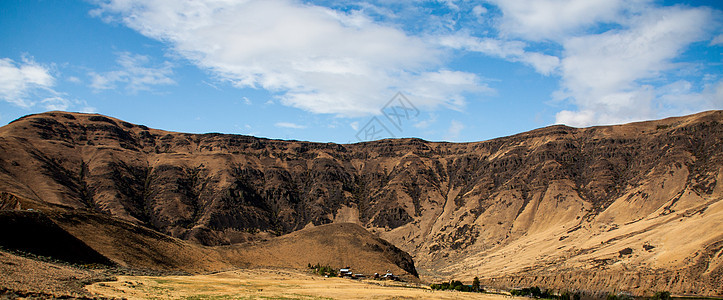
[[323, 270], [457, 285], [535, 292], [211, 297]]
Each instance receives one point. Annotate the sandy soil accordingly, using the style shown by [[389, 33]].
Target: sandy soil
[[267, 284]]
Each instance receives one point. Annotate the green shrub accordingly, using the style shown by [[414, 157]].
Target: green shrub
[[454, 285], [530, 292], [567, 295], [661, 296], [323, 270]]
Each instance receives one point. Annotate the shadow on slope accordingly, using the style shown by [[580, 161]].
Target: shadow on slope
[[138, 247], [33, 232]]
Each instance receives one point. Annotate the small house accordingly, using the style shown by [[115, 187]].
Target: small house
[[390, 276], [346, 272]]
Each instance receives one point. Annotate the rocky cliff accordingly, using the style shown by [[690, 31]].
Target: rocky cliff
[[562, 207]]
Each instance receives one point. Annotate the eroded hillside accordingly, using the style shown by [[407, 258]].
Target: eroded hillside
[[633, 207]]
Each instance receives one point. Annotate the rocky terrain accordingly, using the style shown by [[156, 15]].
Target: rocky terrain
[[632, 207]]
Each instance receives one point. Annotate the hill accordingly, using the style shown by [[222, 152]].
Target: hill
[[339, 244], [633, 207]]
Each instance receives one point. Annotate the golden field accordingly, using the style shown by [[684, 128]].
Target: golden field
[[267, 284]]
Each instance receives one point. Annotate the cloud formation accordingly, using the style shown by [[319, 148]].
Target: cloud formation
[[454, 130], [20, 81], [314, 58], [135, 73], [513, 51], [611, 77], [614, 59], [536, 20], [289, 125], [718, 40], [616, 55]]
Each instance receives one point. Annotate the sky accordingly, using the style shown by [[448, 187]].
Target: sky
[[351, 71]]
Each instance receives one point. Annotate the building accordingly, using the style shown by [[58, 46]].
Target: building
[[346, 272]]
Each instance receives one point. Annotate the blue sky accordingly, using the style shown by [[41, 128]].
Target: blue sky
[[349, 71]]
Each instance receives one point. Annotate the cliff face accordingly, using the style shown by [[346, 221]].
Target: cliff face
[[528, 209]]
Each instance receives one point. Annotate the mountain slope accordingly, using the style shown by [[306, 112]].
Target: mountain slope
[[593, 206]]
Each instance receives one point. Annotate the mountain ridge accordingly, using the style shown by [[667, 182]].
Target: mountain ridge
[[558, 199]]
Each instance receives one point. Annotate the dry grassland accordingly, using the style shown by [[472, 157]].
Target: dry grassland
[[267, 284]]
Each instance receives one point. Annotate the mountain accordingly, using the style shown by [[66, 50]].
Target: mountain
[[632, 207]]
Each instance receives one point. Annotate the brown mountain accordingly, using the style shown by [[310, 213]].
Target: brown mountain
[[632, 207]]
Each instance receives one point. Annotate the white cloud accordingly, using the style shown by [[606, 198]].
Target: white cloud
[[450, 4], [88, 109], [509, 50], [537, 20], [56, 103], [445, 87], [289, 125], [19, 81], [454, 130], [479, 10], [313, 58], [134, 73], [613, 57], [29, 84], [680, 98], [606, 75], [718, 40], [616, 54], [246, 100], [674, 99], [60, 102], [74, 79]]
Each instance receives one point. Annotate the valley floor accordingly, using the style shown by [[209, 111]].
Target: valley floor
[[266, 284]]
